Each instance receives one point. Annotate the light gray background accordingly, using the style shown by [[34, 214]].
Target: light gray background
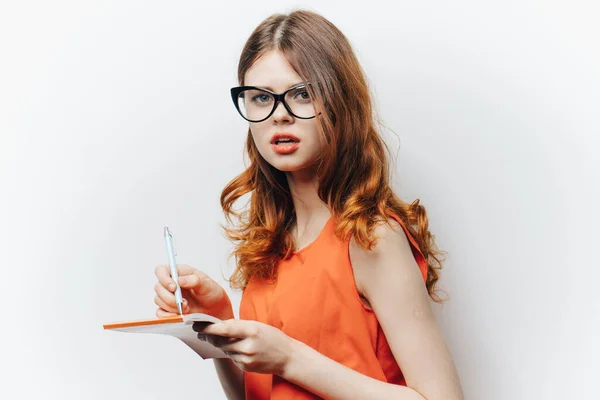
[[115, 120]]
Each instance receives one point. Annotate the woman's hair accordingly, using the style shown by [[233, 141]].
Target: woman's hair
[[352, 171]]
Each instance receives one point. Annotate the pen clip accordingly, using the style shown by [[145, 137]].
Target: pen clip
[[170, 234]]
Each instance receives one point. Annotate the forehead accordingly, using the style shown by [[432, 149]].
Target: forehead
[[272, 71]]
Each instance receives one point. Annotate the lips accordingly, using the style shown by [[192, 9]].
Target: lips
[[284, 138]]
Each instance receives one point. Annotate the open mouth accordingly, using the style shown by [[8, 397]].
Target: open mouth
[[285, 141]]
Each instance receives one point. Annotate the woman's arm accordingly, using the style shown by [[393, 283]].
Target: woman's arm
[[389, 277], [231, 377], [329, 379]]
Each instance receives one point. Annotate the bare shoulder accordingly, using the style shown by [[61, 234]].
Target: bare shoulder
[[389, 280], [392, 243]]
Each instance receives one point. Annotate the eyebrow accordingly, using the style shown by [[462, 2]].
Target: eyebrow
[[271, 89]]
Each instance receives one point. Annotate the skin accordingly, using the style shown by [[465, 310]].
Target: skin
[[272, 71], [388, 277]]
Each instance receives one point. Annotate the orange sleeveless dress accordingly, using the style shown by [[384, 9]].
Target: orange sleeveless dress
[[315, 300]]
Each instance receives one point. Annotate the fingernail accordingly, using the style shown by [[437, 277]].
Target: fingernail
[[172, 286], [183, 281]]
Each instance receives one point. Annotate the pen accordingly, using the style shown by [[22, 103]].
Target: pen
[[171, 255]]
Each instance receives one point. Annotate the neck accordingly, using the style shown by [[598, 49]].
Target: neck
[[310, 210]]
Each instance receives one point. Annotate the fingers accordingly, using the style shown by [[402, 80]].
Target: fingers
[[184, 269], [160, 313], [189, 277], [189, 281], [237, 346], [237, 349], [232, 328], [173, 309], [200, 282], [166, 299], [197, 284], [163, 273], [218, 341]]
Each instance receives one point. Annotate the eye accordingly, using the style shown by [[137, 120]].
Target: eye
[[261, 98], [302, 94]]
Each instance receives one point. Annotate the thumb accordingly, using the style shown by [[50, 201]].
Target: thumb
[[192, 281]]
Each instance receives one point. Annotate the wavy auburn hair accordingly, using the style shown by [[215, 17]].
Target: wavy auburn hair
[[352, 171]]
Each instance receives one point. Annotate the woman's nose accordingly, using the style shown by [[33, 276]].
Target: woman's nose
[[281, 113]]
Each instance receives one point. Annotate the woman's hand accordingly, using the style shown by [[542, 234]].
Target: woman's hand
[[200, 293], [252, 345]]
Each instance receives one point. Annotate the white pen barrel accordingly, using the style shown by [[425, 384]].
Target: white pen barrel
[[173, 266]]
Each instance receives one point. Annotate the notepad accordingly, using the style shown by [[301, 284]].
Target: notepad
[[179, 326]]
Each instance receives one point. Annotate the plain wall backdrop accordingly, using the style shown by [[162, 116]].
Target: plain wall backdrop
[[116, 120]]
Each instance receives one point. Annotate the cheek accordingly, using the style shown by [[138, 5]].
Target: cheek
[[258, 137], [317, 143]]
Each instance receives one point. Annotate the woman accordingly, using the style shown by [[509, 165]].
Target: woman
[[335, 269]]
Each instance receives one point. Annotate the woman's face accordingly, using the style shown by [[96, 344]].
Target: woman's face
[[272, 71]]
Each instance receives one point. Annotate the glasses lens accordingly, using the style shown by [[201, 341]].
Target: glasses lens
[[255, 104], [300, 102]]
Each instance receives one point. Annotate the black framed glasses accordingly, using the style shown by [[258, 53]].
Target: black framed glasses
[[257, 104]]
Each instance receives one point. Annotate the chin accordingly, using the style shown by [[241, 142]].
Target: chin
[[294, 162], [291, 165], [288, 166]]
